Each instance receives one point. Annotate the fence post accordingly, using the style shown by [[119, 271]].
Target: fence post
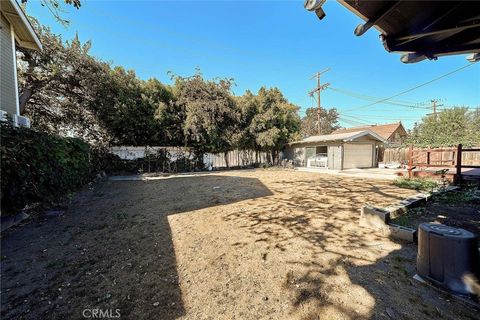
[[410, 161], [458, 175]]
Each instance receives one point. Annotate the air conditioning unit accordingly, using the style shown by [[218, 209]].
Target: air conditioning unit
[[3, 115], [19, 121], [446, 254]]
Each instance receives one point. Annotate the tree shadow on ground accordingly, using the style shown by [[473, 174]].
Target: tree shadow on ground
[[336, 269], [111, 250]]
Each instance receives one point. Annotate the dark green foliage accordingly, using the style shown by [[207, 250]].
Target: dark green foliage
[[211, 117], [59, 84], [127, 108], [269, 121], [40, 168]]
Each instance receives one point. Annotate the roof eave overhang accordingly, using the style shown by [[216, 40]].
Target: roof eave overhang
[[349, 139], [366, 133], [358, 14], [451, 28], [18, 19]]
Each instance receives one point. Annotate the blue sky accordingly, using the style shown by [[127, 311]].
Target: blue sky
[[267, 43]]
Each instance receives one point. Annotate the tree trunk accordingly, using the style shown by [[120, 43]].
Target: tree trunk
[[225, 154], [23, 99]]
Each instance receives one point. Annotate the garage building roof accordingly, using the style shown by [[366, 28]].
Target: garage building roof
[[341, 137]]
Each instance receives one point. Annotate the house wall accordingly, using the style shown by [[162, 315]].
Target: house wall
[[297, 153], [335, 152], [298, 156], [397, 138], [8, 85]]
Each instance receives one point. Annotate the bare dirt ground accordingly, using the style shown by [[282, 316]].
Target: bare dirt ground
[[263, 244]]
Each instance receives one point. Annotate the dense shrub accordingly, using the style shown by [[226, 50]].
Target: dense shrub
[[40, 168]]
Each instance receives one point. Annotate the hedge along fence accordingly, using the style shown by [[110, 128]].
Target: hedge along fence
[[40, 168]]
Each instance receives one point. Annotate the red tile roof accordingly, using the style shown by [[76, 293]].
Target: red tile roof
[[383, 130]]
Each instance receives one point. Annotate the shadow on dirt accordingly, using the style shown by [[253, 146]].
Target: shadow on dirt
[[342, 270], [112, 249]]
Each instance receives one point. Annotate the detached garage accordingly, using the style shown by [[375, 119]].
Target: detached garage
[[358, 155], [336, 151]]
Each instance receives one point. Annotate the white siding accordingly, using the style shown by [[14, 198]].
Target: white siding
[[357, 156], [8, 94], [335, 157]]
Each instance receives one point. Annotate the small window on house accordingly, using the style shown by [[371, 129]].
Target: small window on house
[[321, 149]]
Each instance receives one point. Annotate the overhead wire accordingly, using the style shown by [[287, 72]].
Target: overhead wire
[[413, 88], [371, 98], [204, 41]]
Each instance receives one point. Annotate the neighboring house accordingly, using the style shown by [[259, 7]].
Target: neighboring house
[[394, 133], [15, 30], [348, 150]]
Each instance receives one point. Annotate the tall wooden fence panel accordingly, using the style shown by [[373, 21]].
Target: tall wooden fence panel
[[390, 155], [234, 158], [446, 157]]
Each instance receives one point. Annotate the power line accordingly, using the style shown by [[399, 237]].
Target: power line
[[360, 119], [352, 122], [371, 98], [188, 37], [413, 88], [382, 117]]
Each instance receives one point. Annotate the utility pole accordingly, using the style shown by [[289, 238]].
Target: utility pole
[[317, 90], [434, 107]]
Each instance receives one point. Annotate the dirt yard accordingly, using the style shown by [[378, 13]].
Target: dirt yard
[[264, 244]]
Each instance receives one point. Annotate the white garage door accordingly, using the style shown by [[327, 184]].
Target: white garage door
[[357, 156]]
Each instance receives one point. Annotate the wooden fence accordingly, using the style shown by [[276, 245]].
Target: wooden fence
[[446, 158], [234, 158], [401, 155], [460, 163]]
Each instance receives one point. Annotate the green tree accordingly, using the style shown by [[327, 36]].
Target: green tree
[[55, 86], [328, 122], [448, 128], [65, 90], [273, 121], [169, 117], [249, 108], [211, 115], [126, 106]]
